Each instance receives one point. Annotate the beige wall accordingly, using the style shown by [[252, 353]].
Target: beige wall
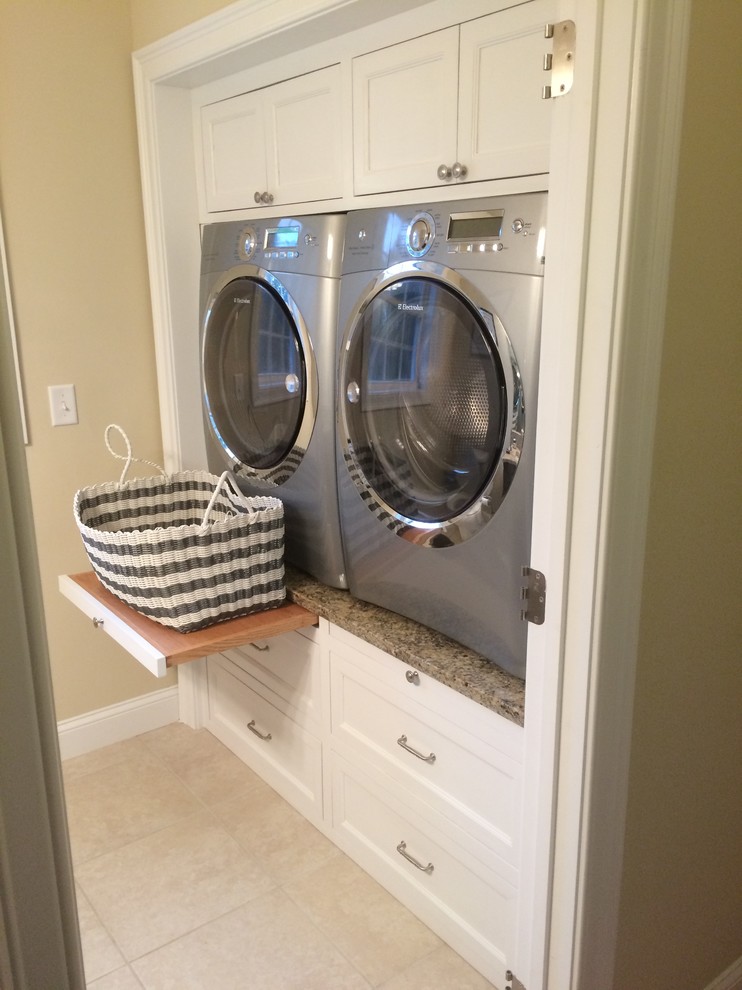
[[71, 204], [681, 908], [153, 19], [71, 200]]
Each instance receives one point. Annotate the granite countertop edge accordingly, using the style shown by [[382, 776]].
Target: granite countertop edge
[[428, 651]]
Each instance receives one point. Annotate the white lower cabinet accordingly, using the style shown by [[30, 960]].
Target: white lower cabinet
[[429, 865], [418, 784], [266, 723]]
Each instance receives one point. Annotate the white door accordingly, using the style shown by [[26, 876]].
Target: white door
[[233, 142], [303, 134], [504, 124], [404, 107]]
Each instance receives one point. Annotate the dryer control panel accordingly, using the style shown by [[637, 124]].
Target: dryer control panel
[[506, 233]]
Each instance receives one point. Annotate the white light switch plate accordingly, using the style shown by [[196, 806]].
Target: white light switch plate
[[63, 405]]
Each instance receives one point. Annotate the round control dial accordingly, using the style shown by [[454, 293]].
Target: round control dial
[[420, 235], [247, 243]]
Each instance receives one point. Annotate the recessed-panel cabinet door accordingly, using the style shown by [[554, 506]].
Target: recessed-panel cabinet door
[[404, 112], [504, 124], [304, 137], [234, 152]]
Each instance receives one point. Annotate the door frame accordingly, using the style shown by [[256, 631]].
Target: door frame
[[615, 142]]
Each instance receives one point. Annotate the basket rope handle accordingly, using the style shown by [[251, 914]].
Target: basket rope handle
[[128, 458], [226, 476]]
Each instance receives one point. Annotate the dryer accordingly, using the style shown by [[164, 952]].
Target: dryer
[[439, 323], [269, 293]]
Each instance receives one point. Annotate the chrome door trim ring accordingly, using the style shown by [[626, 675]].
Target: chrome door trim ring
[[277, 474], [468, 523]]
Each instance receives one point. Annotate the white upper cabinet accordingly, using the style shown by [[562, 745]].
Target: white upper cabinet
[[278, 145], [459, 105], [503, 123], [404, 112]]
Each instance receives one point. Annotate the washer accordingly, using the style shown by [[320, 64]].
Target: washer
[[269, 293], [439, 316]]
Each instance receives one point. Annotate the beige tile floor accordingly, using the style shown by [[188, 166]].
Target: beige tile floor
[[192, 874]]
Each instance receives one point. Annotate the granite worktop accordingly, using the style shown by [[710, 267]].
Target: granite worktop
[[428, 651]]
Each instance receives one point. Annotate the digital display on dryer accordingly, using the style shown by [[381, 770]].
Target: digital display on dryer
[[281, 237], [475, 226]]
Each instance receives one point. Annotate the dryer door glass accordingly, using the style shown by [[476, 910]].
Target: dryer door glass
[[254, 374], [426, 405]]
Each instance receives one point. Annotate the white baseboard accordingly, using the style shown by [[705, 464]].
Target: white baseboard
[[730, 979], [115, 723]]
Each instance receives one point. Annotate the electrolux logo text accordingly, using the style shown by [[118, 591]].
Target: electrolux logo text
[[407, 307]]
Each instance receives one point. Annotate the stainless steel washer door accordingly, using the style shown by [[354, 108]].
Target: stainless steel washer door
[[258, 373], [431, 404]]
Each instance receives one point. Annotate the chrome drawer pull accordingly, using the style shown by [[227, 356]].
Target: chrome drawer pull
[[261, 649], [402, 741], [402, 850], [258, 733], [412, 676], [97, 623]]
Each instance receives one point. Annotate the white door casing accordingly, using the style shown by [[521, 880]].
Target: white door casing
[[596, 409]]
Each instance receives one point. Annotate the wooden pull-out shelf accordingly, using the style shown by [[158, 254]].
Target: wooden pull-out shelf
[[158, 647]]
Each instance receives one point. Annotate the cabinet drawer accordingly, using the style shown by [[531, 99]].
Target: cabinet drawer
[[461, 898], [148, 654], [436, 760], [287, 670], [281, 751]]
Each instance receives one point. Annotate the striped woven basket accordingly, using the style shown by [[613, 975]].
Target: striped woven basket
[[185, 549]]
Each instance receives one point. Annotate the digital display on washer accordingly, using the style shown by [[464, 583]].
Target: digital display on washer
[[475, 226], [281, 237]]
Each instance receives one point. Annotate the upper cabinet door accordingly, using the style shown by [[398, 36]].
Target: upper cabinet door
[[303, 123], [504, 124], [233, 140], [278, 145], [404, 113]]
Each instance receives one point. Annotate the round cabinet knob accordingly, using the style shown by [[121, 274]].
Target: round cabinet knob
[[353, 392], [266, 197], [444, 172], [256, 197], [292, 384], [459, 171]]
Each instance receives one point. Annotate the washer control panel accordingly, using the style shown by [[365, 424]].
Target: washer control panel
[[310, 245]]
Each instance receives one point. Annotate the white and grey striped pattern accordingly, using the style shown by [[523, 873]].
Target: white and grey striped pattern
[[148, 546]]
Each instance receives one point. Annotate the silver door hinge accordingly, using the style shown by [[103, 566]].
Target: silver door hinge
[[560, 61], [513, 981], [533, 594]]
